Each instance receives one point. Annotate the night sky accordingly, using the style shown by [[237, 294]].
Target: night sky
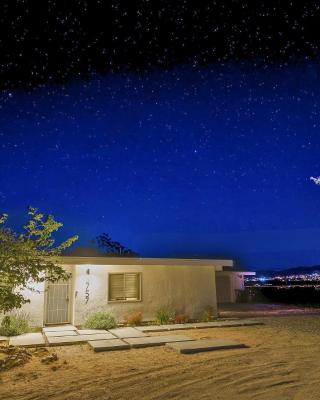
[[179, 129]]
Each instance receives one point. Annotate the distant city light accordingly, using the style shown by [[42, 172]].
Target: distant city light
[[290, 280]]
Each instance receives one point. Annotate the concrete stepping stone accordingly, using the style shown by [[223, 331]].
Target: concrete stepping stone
[[150, 341], [61, 333], [124, 333], [151, 328], [59, 328], [99, 336], [228, 318], [176, 327], [28, 340], [65, 340], [108, 345], [201, 325], [222, 324], [90, 331], [198, 346], [247, 322]]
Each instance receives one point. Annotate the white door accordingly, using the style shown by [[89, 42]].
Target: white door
[[57, 302]]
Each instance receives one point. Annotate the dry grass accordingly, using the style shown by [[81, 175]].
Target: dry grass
[[281, 363]]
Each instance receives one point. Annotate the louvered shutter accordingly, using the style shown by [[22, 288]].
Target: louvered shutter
[[132, 286], [116, 287]]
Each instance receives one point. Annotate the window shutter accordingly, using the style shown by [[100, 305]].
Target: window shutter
[[132, 286], [124, 287], [116, 287]]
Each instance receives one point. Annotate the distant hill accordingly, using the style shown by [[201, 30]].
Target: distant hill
[[290, 271]]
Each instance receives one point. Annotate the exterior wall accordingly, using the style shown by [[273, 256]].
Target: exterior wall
[[238, 281], [228, 284], [187, 289], [224, 287], [35, 309]]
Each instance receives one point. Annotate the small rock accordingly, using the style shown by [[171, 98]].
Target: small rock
[[49, 359]]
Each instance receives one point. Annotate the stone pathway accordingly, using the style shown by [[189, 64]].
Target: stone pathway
[[198, 346], [124, 338], [123, 333], [173, 327], [59, 328], [198, 325], [62, 333], [28, 340], [63, 340], [98, 336], [108, 345], [90, 331], [150, 341]]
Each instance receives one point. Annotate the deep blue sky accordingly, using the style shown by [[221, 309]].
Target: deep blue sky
[[193, 161]]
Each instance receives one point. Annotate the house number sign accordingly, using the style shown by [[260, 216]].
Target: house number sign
[[87, 291]]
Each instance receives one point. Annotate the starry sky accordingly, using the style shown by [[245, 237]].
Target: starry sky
[[188, 131]]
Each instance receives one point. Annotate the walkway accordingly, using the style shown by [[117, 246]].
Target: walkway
[[123, 338]]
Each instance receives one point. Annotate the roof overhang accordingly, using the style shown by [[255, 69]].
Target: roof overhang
[[229, 270], [216, 263]]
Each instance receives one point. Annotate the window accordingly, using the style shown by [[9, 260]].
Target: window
[[125, 287]]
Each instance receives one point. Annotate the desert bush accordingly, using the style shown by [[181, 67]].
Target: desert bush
[[14, 324], [133, 319], [181, 318], [100, 320], [207, 314], [164, 315]]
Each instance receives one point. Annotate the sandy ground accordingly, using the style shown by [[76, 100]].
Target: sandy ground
[[282, 362], [249, 310]]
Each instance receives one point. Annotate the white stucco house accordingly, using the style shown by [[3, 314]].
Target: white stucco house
[[120, 285]]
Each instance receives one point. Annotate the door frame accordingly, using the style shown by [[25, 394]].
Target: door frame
[[70, 303]]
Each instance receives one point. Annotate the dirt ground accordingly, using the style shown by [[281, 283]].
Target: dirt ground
[[249, 310], [282, 362]]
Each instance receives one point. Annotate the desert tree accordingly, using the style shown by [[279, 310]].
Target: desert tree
[[114, 248], [29, 257]]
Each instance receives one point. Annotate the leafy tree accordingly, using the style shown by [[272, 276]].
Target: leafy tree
[[28, 257], [113, 248]]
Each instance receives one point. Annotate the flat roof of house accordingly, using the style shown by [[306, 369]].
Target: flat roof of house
[[105, 260], [92, 255], [239, 270]]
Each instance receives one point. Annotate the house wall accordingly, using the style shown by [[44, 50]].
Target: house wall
[[224, 287], [228, 283], [35, 309], [187, 289]]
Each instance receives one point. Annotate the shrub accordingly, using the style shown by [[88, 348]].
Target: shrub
[[207, 314], [14, 325], [100, 320], [181, 318], [164, 314], [134, 319]]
